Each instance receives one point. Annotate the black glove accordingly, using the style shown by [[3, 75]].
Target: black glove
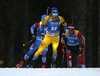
[[63, 48], [63, 36], [82, 49], [42, 36]]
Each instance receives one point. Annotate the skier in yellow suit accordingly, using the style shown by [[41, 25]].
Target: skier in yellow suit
[[53, 23]]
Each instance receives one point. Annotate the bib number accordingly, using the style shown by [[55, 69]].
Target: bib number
[[71, 41], [53, 28]]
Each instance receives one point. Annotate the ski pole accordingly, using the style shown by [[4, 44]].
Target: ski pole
[[82, 49], [63, 56], [47, 10], [64, 48], [28, 42]]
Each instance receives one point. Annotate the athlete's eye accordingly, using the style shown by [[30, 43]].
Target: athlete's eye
[[55, 14]]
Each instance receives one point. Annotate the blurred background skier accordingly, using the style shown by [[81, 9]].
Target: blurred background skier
[[70, 39], [35, 44]]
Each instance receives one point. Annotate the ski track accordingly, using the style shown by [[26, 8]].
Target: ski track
[[49, 71]]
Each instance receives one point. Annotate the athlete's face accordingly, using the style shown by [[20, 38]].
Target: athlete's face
[[71, 32], [54, 16]]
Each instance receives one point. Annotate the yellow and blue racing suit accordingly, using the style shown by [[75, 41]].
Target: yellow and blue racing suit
[[52, 33]]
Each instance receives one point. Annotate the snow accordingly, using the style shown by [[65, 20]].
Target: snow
[[49, 71]]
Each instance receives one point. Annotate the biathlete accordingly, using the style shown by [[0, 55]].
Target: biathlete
[[53, 23], [71, 41], [35, 44]]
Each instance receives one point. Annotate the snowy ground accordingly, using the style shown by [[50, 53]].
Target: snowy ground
[[49, 72]]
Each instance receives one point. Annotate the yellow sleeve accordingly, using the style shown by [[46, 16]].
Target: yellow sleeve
[[44, 22], [62, 21], [66, 32], [76, 31]]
